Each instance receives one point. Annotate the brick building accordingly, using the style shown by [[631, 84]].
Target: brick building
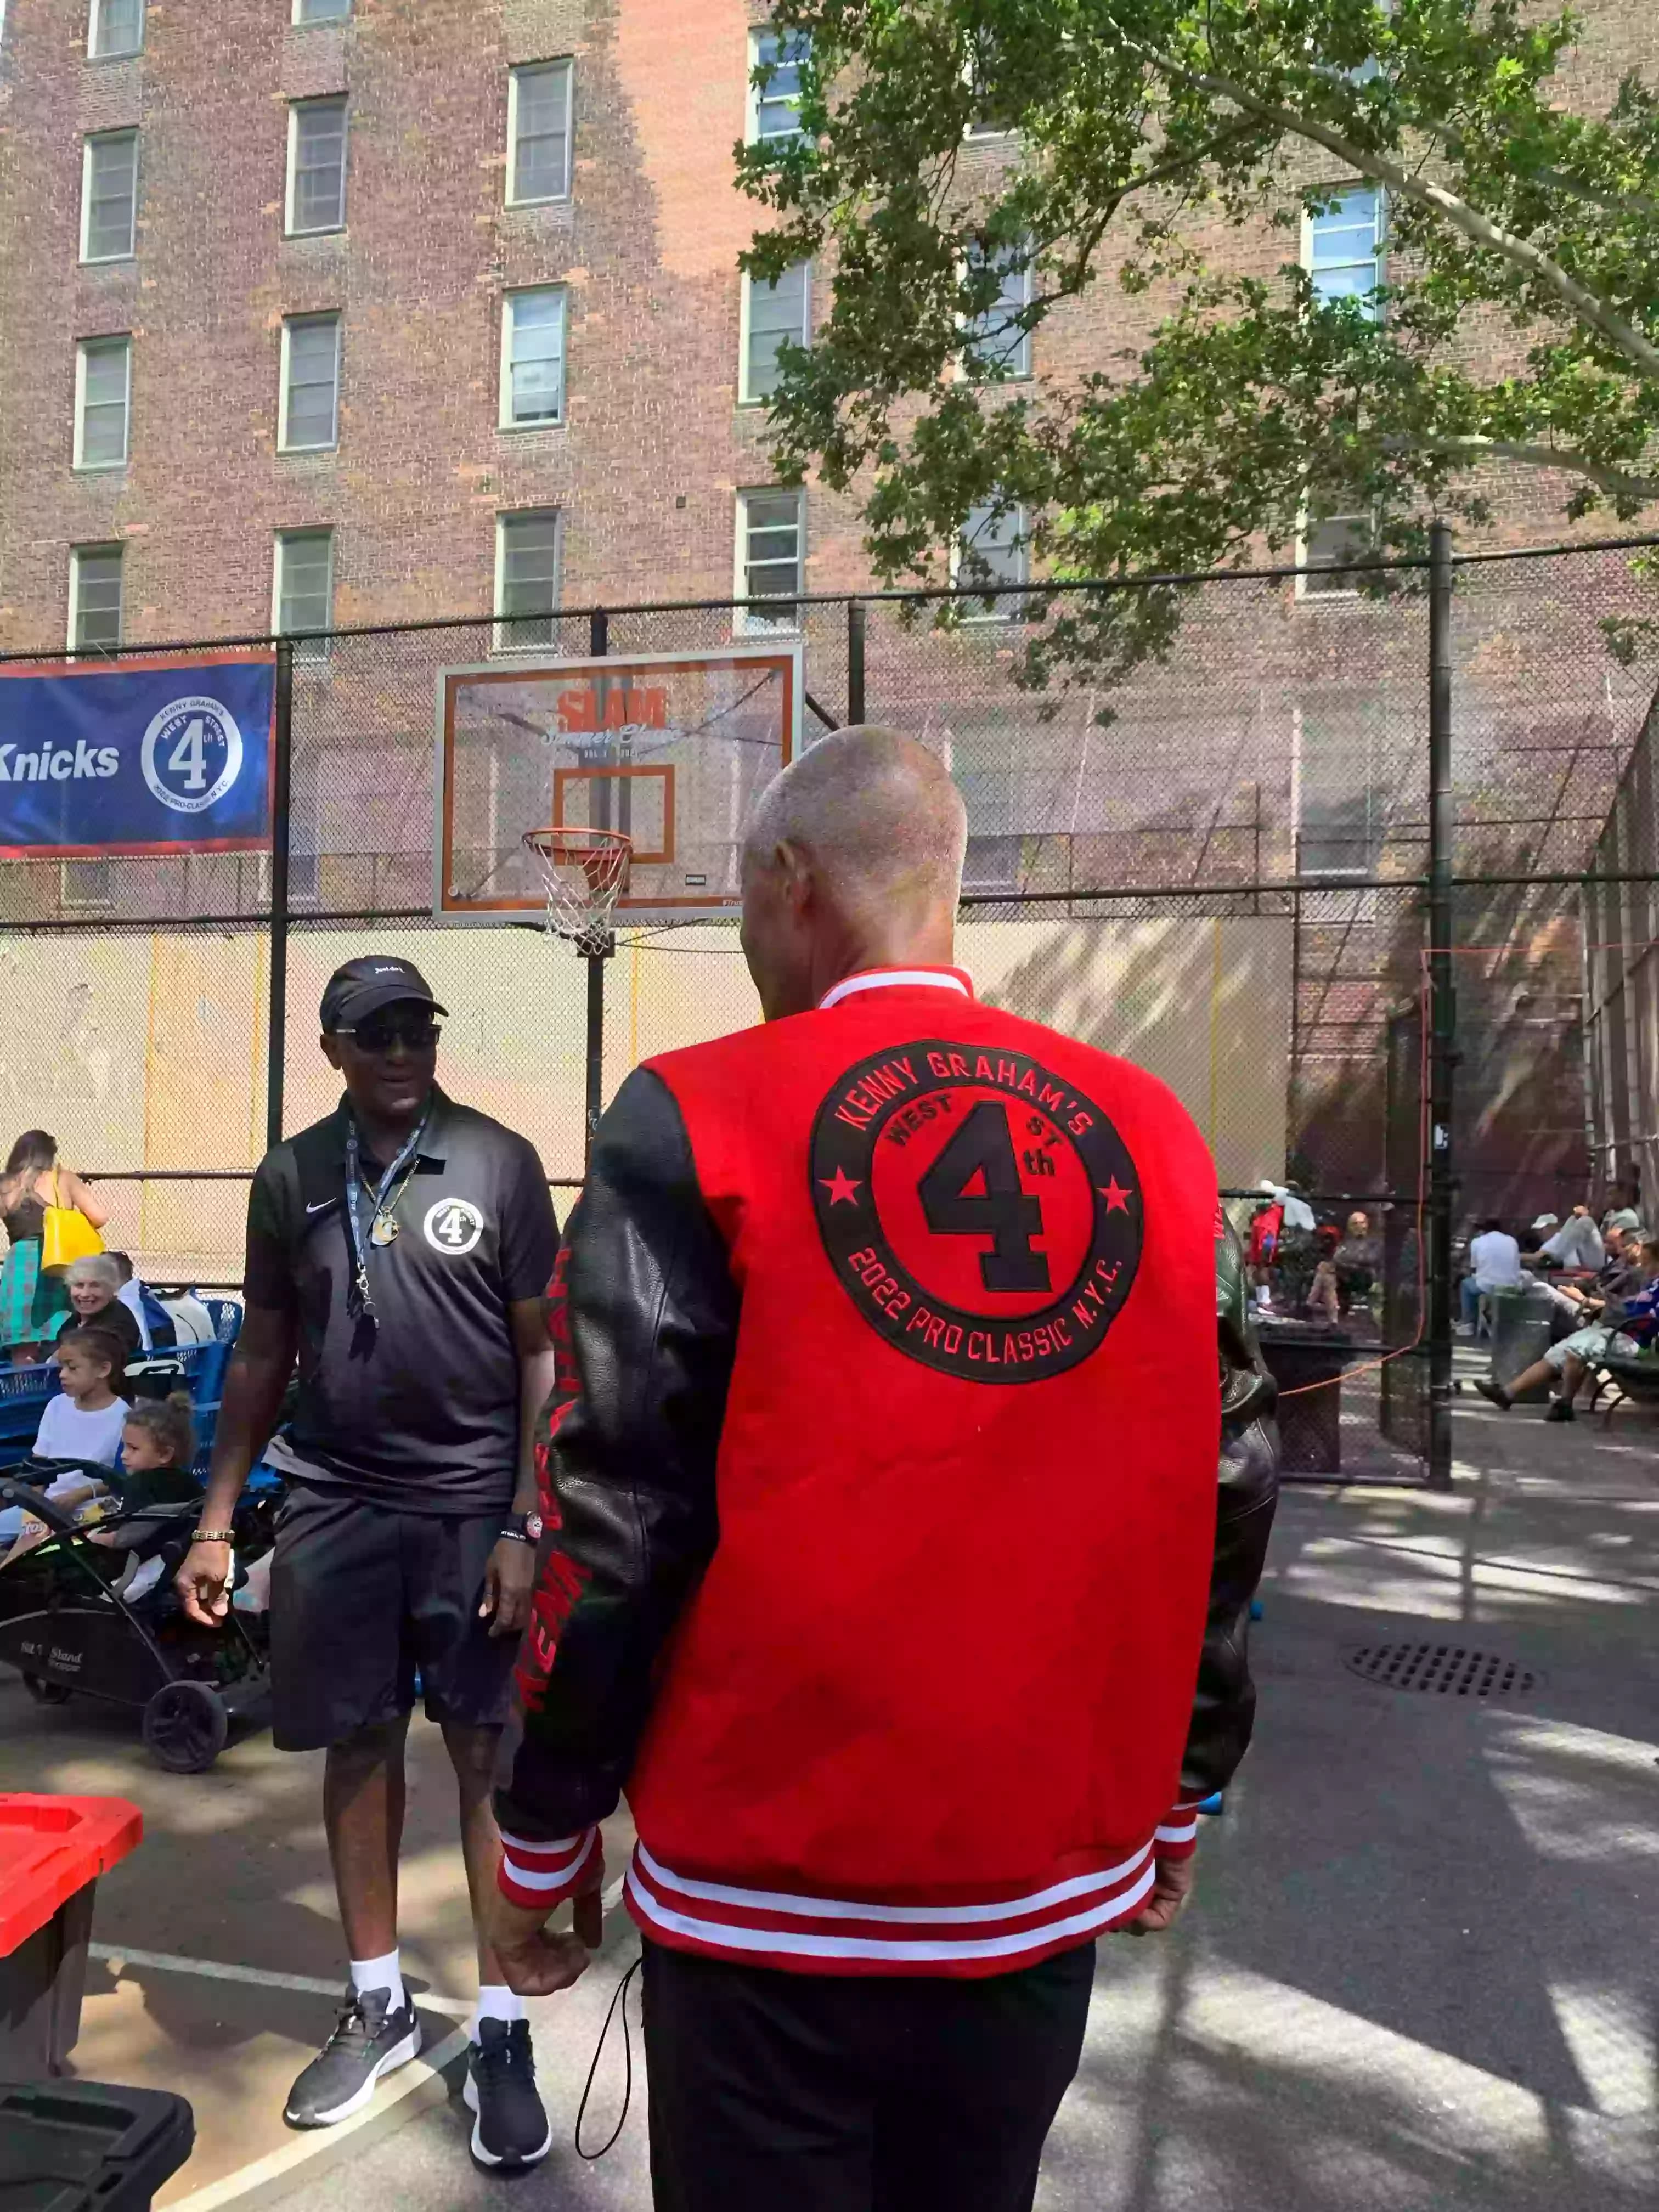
[[361, 311]]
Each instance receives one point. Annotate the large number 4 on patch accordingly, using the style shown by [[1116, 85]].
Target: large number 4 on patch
[[189, 756], [973, 1189]]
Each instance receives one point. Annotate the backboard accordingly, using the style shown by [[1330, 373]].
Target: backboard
[[671, 748]]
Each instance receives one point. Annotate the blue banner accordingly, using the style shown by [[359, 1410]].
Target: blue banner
[[166, 757]]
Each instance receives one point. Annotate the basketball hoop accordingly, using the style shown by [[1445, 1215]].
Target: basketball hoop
[[584, 872]]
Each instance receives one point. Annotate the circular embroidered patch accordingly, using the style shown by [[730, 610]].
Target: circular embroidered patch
[[982, 1214]]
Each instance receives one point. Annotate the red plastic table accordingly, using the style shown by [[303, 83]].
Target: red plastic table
[[53, 1850]]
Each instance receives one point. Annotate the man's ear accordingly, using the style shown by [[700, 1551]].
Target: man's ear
[[331, 1049], [794, 869]]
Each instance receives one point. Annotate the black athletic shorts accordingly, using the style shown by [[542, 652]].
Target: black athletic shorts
[[361, 1596]]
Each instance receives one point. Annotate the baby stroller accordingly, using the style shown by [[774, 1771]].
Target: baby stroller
[[91, 1618]]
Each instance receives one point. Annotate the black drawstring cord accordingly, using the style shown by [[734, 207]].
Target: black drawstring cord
[[619, 1997]]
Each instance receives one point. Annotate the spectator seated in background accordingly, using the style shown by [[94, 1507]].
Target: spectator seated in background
[[156, 1329], [1358, 1260], [1576, 1244], [1494, 1265], [1324, 1298], [94, 1285], [1623, 1212], [1626, 1327]]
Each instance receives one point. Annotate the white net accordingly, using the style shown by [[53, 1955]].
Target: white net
[[584, 872]]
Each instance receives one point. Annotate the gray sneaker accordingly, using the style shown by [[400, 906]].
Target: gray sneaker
[[368, 2042]]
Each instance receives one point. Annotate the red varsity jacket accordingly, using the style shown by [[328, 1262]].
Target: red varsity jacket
[[882, 1493]]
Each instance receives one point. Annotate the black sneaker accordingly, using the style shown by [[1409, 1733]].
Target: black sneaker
[[368, 2042], [1561, 1410], [512, 2127], [1494, 1392]]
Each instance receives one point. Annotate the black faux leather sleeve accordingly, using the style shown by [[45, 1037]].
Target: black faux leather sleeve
[[1223, 1708], [652, 1314]]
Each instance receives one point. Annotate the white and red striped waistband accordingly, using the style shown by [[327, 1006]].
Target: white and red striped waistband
[[830, 1936], [836, 1935]]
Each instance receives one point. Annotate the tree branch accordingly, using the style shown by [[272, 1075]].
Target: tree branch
[[1474, 226], [1615, 482]]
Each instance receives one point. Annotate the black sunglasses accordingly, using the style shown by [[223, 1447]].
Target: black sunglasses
[[419, 1032]]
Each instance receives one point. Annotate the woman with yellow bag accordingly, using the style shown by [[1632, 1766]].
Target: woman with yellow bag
[[33, 1301]]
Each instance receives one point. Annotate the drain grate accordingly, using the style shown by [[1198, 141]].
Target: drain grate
[[1452, 1669]]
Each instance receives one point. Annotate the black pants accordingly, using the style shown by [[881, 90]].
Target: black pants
[[803, 2093]]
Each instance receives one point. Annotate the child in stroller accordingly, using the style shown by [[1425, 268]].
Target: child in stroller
[[88, 1605]]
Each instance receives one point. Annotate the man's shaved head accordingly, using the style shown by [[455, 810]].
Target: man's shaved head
[[876, 811], [852, 859]]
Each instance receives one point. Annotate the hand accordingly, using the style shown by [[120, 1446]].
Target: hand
[[204, 1583], [1170, 1890], [532, 1962], [509, 1584]]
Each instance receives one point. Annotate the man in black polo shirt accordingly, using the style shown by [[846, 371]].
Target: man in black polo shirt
[[401, 1248]]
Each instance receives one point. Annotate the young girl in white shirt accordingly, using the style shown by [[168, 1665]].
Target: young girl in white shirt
[[85, 1421]]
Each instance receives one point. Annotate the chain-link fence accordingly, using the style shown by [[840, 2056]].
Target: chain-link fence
[[1221, 866]]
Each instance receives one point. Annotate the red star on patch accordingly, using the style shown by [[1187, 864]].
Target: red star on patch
[[842, 1188], [1117, 1198]]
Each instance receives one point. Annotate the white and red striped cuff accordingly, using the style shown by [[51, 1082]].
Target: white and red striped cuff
[[1176, 1834], [539, 1876]]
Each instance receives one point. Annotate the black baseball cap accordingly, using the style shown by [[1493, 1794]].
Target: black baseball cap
[[362, 986]]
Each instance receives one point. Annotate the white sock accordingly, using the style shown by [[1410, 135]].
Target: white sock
[[380, 1974], [495, 2001]]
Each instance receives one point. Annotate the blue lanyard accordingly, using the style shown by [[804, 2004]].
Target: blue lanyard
[[354, 1197]]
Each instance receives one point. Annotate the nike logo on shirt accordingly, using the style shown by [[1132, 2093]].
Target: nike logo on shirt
[[321, 1203]]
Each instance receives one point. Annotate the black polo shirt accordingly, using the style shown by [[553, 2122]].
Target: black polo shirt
[[422, 1411]]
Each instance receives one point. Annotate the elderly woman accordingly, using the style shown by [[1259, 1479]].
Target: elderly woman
[[94, 1286], [34, 1306]]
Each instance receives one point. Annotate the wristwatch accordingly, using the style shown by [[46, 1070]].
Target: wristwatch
[[522, 1528]]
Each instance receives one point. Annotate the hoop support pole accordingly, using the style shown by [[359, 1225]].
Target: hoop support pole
[[599, 645]]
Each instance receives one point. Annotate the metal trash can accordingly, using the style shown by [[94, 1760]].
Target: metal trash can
[[85, 2146], [53, 1850], [1520, 1325], [1307, 1364]]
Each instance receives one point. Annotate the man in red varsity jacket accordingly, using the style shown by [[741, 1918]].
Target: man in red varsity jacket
[[883, 1538]]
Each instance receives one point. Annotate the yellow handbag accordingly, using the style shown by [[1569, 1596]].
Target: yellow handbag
[[67, 1235]]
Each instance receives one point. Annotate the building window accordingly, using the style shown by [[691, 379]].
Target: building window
[[109, 196], [1339, 801], [538, 132], [995, 338], [772, 314], [1343, 247], [992, 550], [316, 165], [526, 577], [1329, 552], [85, 884], [95, 622], [302, 588], [770, 531], [311, 383], [103, 397], [115, 27], [775, 106], [321, 11], [532, 358]]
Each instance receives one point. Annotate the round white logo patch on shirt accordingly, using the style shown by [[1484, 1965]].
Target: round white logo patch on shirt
[[453, 1226]]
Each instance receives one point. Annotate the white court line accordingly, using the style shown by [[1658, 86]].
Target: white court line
[[212, 1970], [422, 2079]]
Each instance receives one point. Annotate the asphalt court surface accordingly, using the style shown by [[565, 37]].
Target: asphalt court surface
[[1417, 1971]]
